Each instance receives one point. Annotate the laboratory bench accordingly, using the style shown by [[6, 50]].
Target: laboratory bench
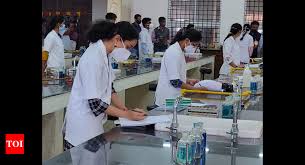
[[55, 94], [253, 111], [130, 83], [146, 146]]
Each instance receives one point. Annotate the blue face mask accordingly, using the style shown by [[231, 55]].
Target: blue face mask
[[62, 29]]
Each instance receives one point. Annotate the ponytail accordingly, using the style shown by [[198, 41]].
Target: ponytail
[[229, 35], [235, 28], [246, 29]]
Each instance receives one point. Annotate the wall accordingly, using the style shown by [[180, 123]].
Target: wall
[[231, 12], [115, 6], [149, 8], [126, 10], [99, 9]]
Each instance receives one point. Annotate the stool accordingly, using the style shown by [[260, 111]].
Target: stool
[[205, 70]]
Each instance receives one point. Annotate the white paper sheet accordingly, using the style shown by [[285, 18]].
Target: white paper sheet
[[147, 121]]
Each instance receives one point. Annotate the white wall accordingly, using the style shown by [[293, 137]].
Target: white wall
[[149, 8], [115, 6], [126, 10], [232, 11], [99, 9]]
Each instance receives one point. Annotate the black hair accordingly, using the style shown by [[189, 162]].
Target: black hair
[[145, 20], [235, 28], [192, 34], [127, 31], [136, 16], [72, 22], [54, 21], [103, 30], [246, 28], [189, 26], [110, 16], [161, 19], [255, 23]]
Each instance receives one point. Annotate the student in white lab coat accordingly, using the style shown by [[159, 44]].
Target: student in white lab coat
[[172, 76], [53, 48], [70, 37], [146, 45], [93, 96], [231, 50], [246, 44]]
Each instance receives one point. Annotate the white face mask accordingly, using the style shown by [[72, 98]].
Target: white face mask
[[151, 26], [189, 49], [120, 54]]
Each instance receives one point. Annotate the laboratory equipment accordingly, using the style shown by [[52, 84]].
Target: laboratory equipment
[[247, 76], [227, 108], [184, 150]]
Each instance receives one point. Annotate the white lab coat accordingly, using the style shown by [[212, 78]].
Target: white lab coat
[[173, 66], [244, 46], [231, 53], [93, 79], [54, 45], [68, 43], [146, 45]]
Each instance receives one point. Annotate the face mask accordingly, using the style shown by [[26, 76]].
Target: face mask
[[151, 26], [189, 49], [138, 22], [120, 54], [62, 29]]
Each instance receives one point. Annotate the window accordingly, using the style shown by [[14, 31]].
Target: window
[[254, 12], [204, 14]]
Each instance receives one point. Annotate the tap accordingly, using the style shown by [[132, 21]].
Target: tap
[[174, 125], [240, 87], [174, 145], [234, 129], [238, 106], [233, 156]]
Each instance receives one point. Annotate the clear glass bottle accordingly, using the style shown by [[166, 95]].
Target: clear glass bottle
[[184, 150], [197, 127], [191, 140]]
